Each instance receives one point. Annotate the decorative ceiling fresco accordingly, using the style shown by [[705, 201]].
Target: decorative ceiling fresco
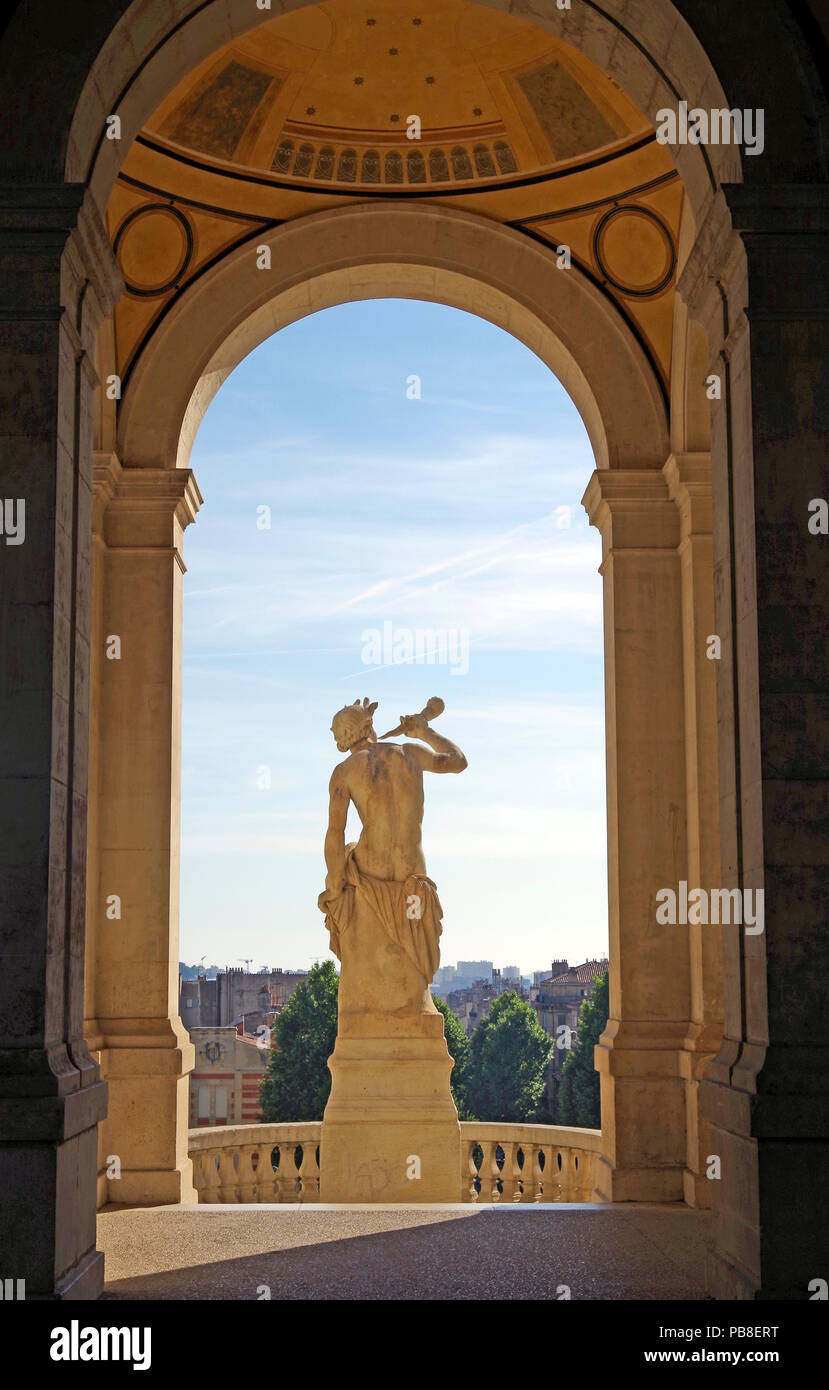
[[315, 106]]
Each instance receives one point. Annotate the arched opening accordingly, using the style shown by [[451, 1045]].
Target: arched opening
[[461, 260], [471, 467]]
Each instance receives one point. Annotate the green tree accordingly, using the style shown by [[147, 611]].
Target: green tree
[[508, 1056], [297, 1082], [578, 1096], [458, 1044]]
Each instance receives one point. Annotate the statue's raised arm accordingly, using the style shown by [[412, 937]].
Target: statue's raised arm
[[445, 756]]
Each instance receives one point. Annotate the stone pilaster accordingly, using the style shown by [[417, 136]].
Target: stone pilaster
[[57, 281], [758, 279], [641, 1056], [689, 480], [133, 881]]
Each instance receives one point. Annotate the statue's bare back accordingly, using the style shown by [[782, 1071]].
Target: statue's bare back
[[385, 783], [381, 908]]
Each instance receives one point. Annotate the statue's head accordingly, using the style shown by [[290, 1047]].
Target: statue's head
[[352, 724]]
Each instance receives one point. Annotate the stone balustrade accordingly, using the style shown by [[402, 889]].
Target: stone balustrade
[[528, 1163], [500, 1163], [257, 1163]]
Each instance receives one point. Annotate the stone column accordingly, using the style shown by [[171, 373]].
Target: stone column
[[757, 279], [57, 281], [641, 1055], [132, 973], [689, 481]]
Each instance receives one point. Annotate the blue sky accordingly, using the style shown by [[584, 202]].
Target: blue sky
[[457, 513]]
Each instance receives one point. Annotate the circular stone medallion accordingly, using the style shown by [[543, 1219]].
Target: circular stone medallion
[[153, 246], [634, 250]]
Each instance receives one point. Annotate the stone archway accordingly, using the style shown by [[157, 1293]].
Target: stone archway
[[410, 251], [658, 580], [750, 277]]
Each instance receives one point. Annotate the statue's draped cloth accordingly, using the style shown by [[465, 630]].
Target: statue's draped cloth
[[407, 911]]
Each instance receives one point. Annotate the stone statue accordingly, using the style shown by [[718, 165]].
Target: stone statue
[[382, 912], [390, 1131]]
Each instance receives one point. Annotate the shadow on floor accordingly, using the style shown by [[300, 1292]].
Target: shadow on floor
[[495, 1253]]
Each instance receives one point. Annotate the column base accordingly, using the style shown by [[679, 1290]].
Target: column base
[[614, 1184], [643, 1112], [48, 1144], [147, 1125], [390, 1131], [149, 1187]]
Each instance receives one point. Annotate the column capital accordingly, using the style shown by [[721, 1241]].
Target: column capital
[[759, 255], [778, 210], [63, 258], [137, 507], [632, 508], [689, 483], [785, 232]]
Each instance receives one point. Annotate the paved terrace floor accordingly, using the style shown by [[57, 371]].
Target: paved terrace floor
[[405, 1252]]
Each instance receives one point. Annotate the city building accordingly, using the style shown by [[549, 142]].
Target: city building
[[472, 1002], [224, 1084], [557, 1000], [235, 995], [461, 976]]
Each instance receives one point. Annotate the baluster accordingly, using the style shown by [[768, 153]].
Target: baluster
[[247, 1173], [279, 1172], [198, 1173], [473, 1194], [509, 1171], [494, 1172], [487, 1169], [587, 1174], [527, 1186], [542, 1172], [228, 1182], [563, 1183], [293, 1170], [287, 1172], [309, 1172], [576, 1175], [210, 1191], [267, 1189]]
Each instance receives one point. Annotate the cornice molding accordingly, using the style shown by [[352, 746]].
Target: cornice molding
[[123, 495]]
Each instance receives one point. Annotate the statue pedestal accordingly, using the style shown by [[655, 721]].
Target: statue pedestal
[[390, 1114]]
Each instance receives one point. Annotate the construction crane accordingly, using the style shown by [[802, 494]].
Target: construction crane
[[248, 961]]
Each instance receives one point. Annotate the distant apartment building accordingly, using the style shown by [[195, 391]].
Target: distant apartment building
[[472, 970], [235, 995], [461, 976], [473, 1002], [557, 1000], [224, 1084]]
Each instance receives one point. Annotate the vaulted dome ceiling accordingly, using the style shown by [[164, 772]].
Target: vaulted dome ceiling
[[326, 94], [310, 111]]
